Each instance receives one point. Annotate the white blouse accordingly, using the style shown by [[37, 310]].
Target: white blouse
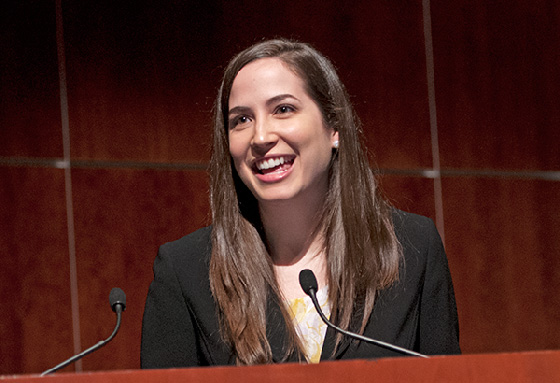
[[308, 323]]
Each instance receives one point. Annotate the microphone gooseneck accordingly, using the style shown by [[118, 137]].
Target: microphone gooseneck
[[117, 299], [309, 285]]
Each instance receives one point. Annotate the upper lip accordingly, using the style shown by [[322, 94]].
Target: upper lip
[[264, 162]]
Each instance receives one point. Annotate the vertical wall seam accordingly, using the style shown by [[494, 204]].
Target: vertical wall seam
[[68, 183], [438, 194]]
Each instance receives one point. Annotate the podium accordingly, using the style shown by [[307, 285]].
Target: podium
[[540, 366]]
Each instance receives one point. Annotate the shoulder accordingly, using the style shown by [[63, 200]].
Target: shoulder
[[422, 247], [426, 275], [188, 258], [415, 233], [193, 244], [412, 225]]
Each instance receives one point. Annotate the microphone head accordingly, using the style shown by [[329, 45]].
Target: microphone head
[[117, 297], [308, 282]]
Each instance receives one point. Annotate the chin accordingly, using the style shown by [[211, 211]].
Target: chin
[[272, 197]]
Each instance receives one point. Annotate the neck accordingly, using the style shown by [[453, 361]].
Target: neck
[[294, 242], [291, 229]]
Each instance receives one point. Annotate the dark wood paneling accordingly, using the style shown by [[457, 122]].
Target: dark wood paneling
[[503, 246], [122, 216], [384, 67], [138, 80], [29, 92], [498, 83], [142, 78], [412, 194], [36, 323]]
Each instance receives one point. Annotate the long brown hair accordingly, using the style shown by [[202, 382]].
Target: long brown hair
[[362, 250]]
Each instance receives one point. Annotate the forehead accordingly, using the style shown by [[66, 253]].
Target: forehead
[[266, 77]]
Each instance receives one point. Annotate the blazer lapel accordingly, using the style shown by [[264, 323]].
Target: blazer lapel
[[277, 333], [330, 339], [329, 344], [275, 330]]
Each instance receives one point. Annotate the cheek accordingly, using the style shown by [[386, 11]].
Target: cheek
[[236, 152], [233, 145]]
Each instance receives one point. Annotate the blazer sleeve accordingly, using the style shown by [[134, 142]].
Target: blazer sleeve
[[438, 324], [168, 336]]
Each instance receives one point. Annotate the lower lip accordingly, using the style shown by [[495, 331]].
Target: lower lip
[[274, 176]]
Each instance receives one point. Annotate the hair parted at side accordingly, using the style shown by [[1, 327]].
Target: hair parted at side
[[363, 253]]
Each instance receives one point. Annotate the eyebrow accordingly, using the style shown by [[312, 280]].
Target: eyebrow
[[270, 101], [239, 110], [280, 97]]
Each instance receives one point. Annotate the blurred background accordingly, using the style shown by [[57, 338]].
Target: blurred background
[[105, 110]]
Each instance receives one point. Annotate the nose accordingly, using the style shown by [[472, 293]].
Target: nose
[[264, 135]]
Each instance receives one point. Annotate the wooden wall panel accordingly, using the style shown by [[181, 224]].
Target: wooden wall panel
[[502, 242], [137, 83], [35, 319], [122, 216], [412, 194], [29, 92], [498, 83], [144, 89], [384, 67]]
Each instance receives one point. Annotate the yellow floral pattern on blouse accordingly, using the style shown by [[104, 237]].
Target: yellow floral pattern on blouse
[[308, 323]]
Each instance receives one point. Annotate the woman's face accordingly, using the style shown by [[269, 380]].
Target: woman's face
[[279, 144]]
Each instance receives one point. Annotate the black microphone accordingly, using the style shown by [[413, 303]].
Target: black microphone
[[117, 299], [309, 285]]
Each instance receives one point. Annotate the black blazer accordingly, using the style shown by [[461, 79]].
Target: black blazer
[[180, 326]]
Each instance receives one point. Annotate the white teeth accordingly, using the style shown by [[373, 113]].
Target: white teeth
[[270, 163]]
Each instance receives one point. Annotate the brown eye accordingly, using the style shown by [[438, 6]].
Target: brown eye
[[239, 120], [283, 109]]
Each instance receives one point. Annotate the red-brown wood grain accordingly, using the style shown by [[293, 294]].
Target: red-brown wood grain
[[141, 78], [519, 367]]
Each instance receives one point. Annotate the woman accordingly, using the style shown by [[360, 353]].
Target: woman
[[291, 189]]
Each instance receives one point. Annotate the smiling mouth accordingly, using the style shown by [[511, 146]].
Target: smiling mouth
[[273, 164]]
